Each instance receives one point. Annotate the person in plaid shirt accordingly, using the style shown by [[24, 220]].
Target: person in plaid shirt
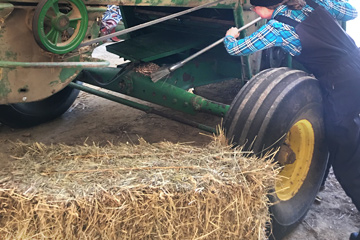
[[276, 33], [309, 32]]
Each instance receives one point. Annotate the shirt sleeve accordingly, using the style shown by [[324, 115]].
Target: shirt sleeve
[[341, 10], [263, 38]]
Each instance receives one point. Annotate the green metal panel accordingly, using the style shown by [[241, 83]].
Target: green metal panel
[[179, 39], [205, 70], [167, 43], [155, 45]]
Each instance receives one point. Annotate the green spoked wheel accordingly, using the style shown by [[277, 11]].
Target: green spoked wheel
[[60, 26], [281, 108]]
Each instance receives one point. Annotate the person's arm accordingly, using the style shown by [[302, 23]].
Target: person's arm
[[341, 10], [263, 38]]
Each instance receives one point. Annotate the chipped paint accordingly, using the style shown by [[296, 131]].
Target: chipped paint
[[180, 2], [54, 83], [9, 55], [25, 68], [4, 84], [66, 74], [187, 77], [23, 89], [156, 2]]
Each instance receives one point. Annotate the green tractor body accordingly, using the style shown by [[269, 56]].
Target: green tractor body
[[45, 54]]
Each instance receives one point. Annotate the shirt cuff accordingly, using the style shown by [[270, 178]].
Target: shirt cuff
[[229, 38]]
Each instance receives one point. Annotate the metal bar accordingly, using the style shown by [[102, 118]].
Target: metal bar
[[180, 64], [5, 10], [10, 64], [239, 18], [139, 86], [289, 61], [141, 107], [143, 25]]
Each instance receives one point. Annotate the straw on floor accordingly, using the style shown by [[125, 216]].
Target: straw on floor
[[144, 191]]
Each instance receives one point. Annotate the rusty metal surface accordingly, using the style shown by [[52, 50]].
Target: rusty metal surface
[[17, 44], [85, 64], [174, 3], [22, 76], [286, 155]]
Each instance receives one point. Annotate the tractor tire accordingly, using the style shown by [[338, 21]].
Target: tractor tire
[[282, 109], [24, 115]]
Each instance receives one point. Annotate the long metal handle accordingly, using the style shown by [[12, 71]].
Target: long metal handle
[[143, 25], [180, 64], [10, 64]]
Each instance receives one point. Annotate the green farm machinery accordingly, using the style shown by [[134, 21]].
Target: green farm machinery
[[45, 56]]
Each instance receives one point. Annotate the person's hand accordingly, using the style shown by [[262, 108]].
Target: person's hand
[[233, 32]]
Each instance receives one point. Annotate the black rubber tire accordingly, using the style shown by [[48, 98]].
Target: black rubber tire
[[24, 115], [263, 112]]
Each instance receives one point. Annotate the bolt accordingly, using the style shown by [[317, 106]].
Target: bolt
[[24, 99]]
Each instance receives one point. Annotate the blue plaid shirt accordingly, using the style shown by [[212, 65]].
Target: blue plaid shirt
[[275, 33]]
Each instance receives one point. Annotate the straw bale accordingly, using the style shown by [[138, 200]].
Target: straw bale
[[144, 191]]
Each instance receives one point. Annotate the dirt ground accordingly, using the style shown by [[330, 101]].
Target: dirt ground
[[92, 119]]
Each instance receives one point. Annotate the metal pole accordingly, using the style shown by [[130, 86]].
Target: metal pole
[[143, 25], [10, 64], [141, 107], [180, 64]]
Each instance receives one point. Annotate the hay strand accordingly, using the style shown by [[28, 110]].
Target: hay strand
[[144, 191]]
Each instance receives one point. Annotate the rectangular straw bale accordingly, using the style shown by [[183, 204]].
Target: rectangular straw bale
[[144, 191]]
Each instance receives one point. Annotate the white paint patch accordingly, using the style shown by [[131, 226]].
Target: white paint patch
[[101, 53], [353, 26]]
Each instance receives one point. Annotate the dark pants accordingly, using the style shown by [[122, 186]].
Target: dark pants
[[345, 158], [341, 89]]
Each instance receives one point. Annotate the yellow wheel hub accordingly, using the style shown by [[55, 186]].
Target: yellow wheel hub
[[295, 155]]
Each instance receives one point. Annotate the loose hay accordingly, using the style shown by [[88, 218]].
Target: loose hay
[[147, 68], [145, 191]]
